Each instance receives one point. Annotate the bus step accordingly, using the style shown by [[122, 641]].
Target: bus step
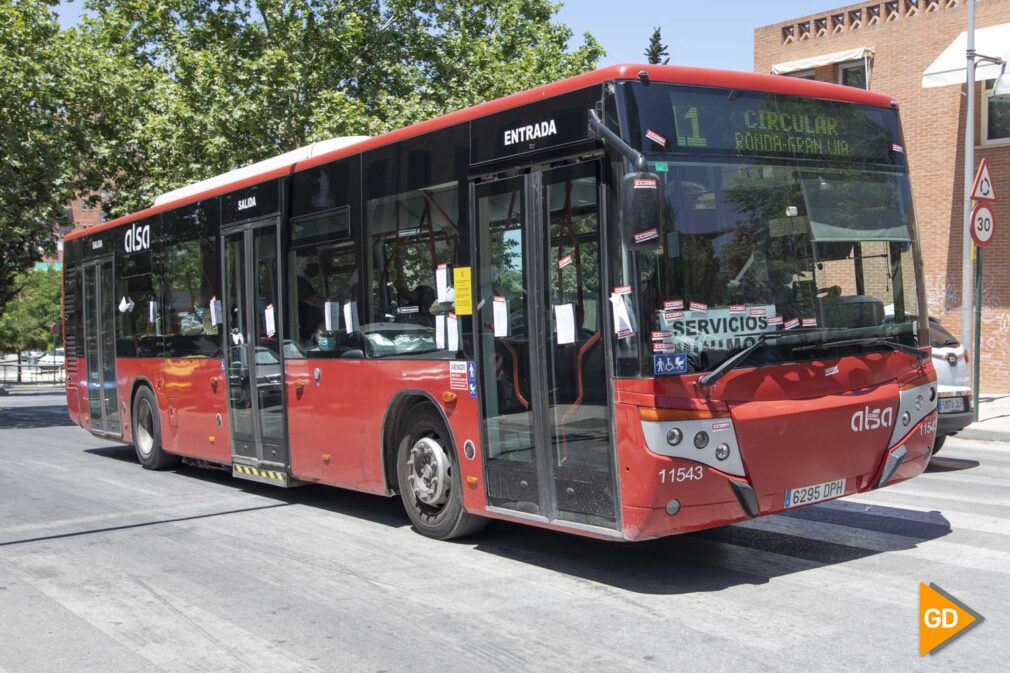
[[272, 477]]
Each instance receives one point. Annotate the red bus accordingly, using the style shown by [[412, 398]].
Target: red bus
[[637, 302]]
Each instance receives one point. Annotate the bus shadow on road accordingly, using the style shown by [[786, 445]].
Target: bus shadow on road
[[379, 509], [944, 464], [754, 552], [34, 417]]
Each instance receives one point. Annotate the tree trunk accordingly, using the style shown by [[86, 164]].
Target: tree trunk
[[19, 365]]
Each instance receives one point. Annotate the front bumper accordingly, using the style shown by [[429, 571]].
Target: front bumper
[[948, 424]]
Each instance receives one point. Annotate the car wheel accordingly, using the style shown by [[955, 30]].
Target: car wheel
[[938, 444], [430, 483]]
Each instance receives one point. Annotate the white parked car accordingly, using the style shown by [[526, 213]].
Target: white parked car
[[954, 402], [52, 360]]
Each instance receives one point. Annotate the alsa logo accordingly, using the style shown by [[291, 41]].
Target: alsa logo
[[871, 419], [138, 238], [247, 203], [531, 132]]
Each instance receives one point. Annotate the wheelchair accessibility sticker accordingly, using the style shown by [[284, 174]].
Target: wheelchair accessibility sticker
[[667, 364]]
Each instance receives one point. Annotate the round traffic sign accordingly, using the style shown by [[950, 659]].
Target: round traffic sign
[[983, 225]]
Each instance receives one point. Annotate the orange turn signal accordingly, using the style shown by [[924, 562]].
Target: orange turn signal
[[655, 414], [448, 397]]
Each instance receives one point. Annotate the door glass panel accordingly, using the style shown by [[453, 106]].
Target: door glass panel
[[239, 389], [577, 396], [505, 347], [107, 339], [267, 365], [91, 335]]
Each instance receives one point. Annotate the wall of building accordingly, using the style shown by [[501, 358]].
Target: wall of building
[[907, 35]]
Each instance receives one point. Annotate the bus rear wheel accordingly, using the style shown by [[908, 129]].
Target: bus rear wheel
[[147, 432], [429, 478]]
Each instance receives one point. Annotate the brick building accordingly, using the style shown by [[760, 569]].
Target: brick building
[[888, 46]]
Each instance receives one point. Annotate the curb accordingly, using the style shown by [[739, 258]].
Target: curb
[[984, 434]]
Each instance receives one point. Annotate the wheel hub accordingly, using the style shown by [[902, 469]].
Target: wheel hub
[[428, 471], [145, 428]]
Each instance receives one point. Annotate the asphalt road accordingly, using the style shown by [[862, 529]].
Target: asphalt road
[[108, 567]]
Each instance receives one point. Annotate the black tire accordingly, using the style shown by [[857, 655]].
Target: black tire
[[938, 444], [147, 432], [444, 518]]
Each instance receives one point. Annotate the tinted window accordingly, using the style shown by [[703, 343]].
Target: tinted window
[[139, 325], [940, 336], [192, 281]]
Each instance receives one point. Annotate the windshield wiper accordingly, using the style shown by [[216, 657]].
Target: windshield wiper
[[732, 361], [868, 341]]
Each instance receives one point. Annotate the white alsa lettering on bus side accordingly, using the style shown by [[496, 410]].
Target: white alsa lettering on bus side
[[138, 238], [531, 132], [872, 419]]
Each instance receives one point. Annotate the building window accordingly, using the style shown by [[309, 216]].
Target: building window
[[852, 73], [995, 117], [802, 74]]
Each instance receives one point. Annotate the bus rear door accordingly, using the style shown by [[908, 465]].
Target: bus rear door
[[545, 399]]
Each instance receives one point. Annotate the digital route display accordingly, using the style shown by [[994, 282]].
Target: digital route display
[[704, 120]]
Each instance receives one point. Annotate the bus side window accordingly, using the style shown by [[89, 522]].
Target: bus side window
[[191, 279], [138, 295], [408, 236]]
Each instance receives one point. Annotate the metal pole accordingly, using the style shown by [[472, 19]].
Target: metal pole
[[969, 166], [978, 329]]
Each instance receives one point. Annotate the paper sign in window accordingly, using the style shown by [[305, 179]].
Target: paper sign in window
[[270, 324], [624, 322], [564, 316], [215, 311], [440, 331], [463, 296], [500, 307], [442, 281], [152, 312], [351, 317], [451, 326], [331, 316]]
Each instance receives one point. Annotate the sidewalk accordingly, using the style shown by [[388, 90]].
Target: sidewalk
[[993, 423]]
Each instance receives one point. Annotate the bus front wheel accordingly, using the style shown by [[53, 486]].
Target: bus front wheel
[[429, 479], [147, 432]]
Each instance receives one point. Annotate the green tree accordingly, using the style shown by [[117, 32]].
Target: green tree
[[41, 135], [657, 51], [204, 87], [31, 313]]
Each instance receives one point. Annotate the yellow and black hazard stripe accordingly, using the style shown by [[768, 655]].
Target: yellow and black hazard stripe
[[257, 473]]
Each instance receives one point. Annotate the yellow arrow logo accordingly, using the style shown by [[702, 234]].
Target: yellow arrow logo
[[942, 618]]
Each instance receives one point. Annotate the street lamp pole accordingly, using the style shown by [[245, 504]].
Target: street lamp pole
[[969, 173]]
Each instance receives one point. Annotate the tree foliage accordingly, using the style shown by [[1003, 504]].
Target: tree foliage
[[144, 96], [657, 51], [26, 322], [216, 85], [41, 139]]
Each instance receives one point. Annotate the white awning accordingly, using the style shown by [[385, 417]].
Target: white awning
[[949, 66], [818, 61]]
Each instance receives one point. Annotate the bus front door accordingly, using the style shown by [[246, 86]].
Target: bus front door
[[254, 353], [100, 347], [544, 392]]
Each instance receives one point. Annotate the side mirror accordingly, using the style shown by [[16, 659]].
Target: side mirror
[[641, 211], [353, 354]]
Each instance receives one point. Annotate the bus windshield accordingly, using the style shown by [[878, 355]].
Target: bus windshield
[[780, 214]]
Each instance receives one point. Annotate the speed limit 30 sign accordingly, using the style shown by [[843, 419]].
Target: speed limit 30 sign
[[983, 225]]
